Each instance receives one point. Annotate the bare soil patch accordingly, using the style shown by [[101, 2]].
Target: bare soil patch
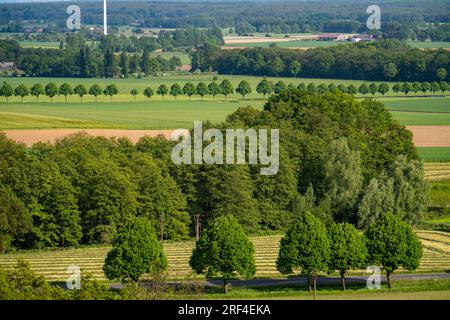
[[431, 136], [423, 136], [30, 137]]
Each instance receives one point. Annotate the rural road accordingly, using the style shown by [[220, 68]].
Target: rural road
[[423, 136], [320, 280]]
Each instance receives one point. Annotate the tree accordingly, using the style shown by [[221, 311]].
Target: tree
[[37, 90], [134, 93], [348, 249], [351, 89], [425, 87], [135, 251], [202, 89], [95, 90], [396, 88], [80, 90], [332, 88], [109, 62], [444, 86], [322, 88], [363, 89], [373, 88], [383, 88], [312, 88], [305, 246], [435, 87], [264, 87], [392, 243], [51, 90], [110, 90], [214, 89], [175, 62], [406, 87], [175, 90], [145, 61], [441, 74], [294, 68], [226, 87], [244, 88], [343, 177], [390, 70], [21, 91], [415, 87], [15, 219], [124, 64], [279, 87], [65, 89], [162, 90], [189, 90], [224, 250], [302, 87], [6, 91], [148, 92], [342, 88]]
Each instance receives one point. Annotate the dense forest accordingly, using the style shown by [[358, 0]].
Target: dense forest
[[401, 19], [383, 60], [344, 159]]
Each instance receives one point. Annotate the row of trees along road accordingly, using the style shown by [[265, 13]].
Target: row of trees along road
[[225, 88], [225, 251]]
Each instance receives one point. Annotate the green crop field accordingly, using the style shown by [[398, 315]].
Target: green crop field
[[53, 264], [429, 44], [168, 113], [38, 44], [435, 154]]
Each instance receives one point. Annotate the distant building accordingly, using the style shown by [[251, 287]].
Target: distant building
[[362, 38], [331, 37], [7, 66]]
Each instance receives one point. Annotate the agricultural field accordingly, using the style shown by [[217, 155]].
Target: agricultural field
[[292, 44], [434, 154], [39, 44], [437, 171], [53, 264]]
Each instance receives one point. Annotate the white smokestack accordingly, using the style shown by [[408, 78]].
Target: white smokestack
[[105, 19]]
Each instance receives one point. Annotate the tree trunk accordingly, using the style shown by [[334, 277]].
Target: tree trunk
[[343, 279], [388, 277], [225, 286], [308, 277], [315, 286]]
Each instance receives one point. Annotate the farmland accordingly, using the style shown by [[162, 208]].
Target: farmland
[[53, 264]]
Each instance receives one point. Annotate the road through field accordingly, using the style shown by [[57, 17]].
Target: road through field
[[423, 136]]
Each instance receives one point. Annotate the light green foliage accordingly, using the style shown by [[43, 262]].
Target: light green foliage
[[244, 88], [214, 89], [343, 177], [111, 90], [305, 246], [80, 90], [202, 89], [95, 90], [279, 87], [148, 92], [392, 243], [175, 90], [226, 87], [189, 89], [348, 249], [224, 250], [162, 90], [51, 90], [136, 251], [6, 90], [66, 90], [37, 90], [21, 91]]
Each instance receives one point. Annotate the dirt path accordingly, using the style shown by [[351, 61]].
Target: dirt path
[[424, 136]]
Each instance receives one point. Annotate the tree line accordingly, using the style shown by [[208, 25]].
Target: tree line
[[401, 20], [225, 88], [381, 61], [225, 251], [343, 159]]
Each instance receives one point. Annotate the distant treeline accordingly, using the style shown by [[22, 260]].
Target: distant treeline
[[401, 19], [383, 60]]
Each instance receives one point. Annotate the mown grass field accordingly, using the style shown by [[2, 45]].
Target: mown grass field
[[434, 154], [53, 264], [437, 171], [168, 113], [288, 44]]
